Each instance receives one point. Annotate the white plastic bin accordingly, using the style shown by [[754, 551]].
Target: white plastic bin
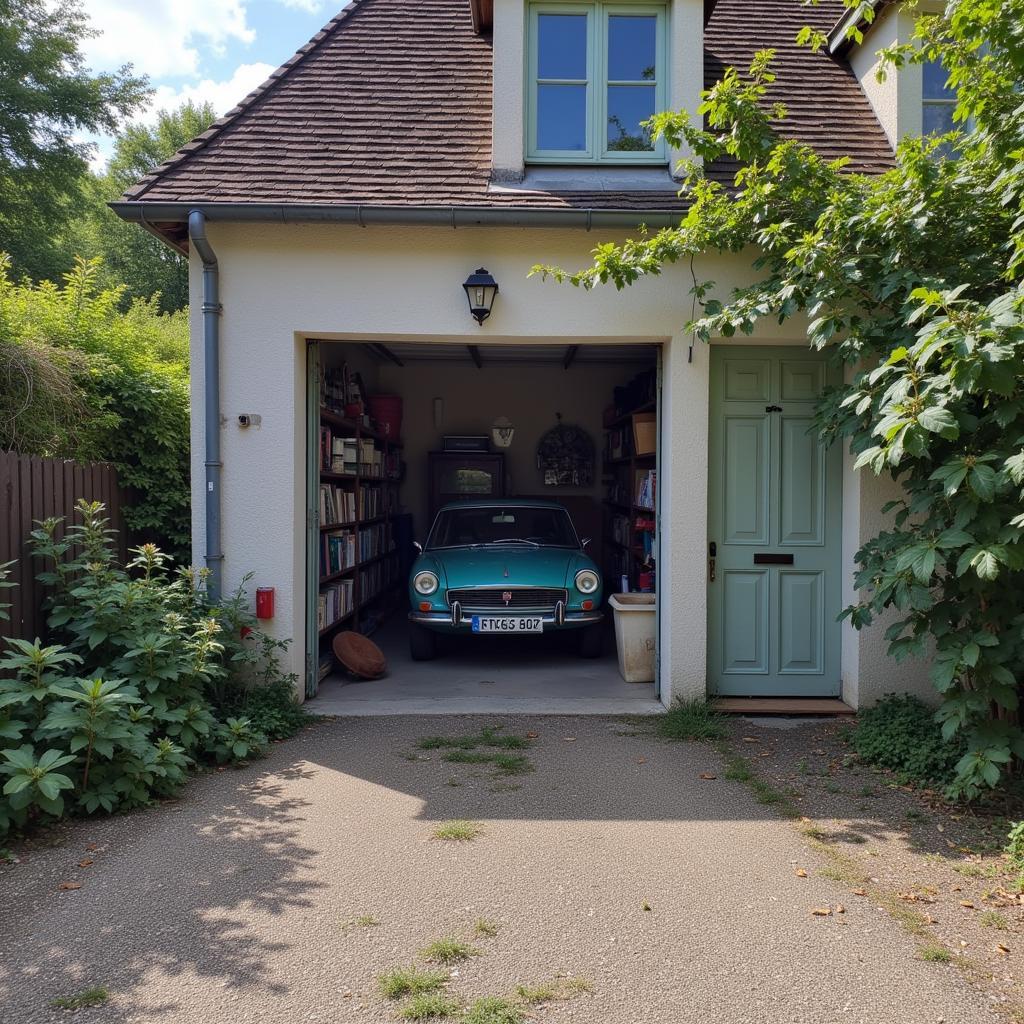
[[636, 632]]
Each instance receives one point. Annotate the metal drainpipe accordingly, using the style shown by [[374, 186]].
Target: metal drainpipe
[[211, 384]]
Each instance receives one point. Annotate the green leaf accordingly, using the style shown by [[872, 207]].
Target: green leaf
[[938, 420]]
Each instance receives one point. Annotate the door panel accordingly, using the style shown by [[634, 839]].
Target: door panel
[[802, 459], [746, 480], [801, 622], [747, 380], [745, 647], [775, 491]]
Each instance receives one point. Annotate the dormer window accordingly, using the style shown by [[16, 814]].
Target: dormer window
[[939, 100], [596, 71]]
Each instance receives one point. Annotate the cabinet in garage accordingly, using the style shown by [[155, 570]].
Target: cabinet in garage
[[457, 476]]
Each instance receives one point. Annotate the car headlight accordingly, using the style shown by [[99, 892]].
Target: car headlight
[[425, 583], [587, 581]]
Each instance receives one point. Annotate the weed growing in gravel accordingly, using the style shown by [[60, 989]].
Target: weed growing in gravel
[[833, 788], [512, 764], [767, 794], [993, 919], [691, 720], [95, 996], [458, 831], [362, 921], [645, 907], [493, 1010], [936, 954], [970, 870], [503, 787], [482, 928], [737, 770], [429, 1006], [536, 993], [467, 757], [410, 981], [486, 737], [448, 951]]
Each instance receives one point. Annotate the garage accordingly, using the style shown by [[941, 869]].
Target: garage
[[516, 486]]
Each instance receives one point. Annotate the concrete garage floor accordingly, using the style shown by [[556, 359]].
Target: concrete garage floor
[[281, 890], [489, 675]]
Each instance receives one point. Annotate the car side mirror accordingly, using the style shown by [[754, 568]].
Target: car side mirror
[[418, 546], [584, 542]]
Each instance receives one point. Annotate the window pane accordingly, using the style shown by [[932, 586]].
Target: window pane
[[628, 105], [632, 48], [935, 76], [562, 46], [938, 118], [562, 117]]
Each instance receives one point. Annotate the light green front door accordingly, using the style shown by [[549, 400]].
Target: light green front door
[[774, 528]]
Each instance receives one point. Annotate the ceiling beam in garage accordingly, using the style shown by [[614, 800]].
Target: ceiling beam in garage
[[388, 354]]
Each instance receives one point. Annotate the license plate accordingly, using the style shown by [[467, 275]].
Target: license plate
[[508, 624]]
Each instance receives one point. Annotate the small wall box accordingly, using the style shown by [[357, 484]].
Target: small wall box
[[467, 443], [645, 433]]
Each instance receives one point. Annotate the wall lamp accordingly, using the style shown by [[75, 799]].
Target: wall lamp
[[481, 289]]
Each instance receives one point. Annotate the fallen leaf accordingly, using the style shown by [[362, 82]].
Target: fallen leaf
[[859, 892], [928, 919], [85, 862], [92, 846], [708, 775], [569, 739], [800, 873], [69, 885], [764, 753], [840, 909], [941, 828], [751, 739], [1002, 947], [821, 911], [951, 844], [532, 735], [967, 903], [641, 760], [805, 819]]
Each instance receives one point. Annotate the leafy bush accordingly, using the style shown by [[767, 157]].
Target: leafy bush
[[83, 378], [145, 680], [901, 733]]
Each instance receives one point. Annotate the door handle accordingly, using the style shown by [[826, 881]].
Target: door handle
[[712, 558]]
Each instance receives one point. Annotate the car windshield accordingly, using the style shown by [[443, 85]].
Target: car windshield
[[523, 526]]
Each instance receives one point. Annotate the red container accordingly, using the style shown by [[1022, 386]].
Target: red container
[[264, 602], [387, 411]]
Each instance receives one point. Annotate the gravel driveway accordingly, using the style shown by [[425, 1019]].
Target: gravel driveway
[[279, 892]]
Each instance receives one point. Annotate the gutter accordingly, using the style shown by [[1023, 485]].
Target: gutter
[[211, 387], [151, 213], [838, 40]]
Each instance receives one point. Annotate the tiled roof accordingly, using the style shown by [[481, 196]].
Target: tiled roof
[[390, 105]]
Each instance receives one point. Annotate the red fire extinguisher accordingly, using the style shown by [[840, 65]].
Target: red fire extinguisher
[[264, 602]]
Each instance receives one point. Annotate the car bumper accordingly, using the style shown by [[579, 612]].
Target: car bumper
[[446, 622]]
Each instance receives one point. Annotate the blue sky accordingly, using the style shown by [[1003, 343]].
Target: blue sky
[[216, 50]]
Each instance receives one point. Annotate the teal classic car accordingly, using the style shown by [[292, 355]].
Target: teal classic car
[[503, 567]]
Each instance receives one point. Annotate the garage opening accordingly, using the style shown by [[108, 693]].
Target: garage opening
[[484, 514]]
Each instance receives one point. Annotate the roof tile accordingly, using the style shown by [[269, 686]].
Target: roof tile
[[390, 104]]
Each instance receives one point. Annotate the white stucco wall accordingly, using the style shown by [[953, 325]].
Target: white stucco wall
[[896, 100], [282, 284]]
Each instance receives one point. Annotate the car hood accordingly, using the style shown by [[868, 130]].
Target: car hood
[[508, 566]]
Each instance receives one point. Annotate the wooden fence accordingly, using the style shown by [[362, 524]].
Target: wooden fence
[[33, 488]]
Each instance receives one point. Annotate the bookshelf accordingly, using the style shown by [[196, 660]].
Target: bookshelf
[[630, 504], [359, 471]]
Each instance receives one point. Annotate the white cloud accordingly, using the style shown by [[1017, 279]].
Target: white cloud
[[160, 37], [223, 95], [310, 6]]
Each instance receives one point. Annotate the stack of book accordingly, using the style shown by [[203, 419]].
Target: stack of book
[[646, 489], [337, 551], [337, 505], [334, 602]]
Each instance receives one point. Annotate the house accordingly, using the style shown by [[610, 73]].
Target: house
[[331, 221]]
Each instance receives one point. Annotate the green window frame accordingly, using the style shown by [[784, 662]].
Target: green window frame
[[597, 83]]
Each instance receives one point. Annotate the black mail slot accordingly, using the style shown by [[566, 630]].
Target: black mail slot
[[767, 558]]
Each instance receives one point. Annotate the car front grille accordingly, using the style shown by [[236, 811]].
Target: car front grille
[[486, 599]]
